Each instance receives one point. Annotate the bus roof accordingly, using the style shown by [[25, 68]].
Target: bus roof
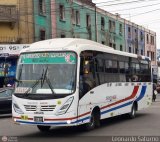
[[74, 44]]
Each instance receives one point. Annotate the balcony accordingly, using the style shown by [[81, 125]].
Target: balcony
[[8, 14], [10, 40]]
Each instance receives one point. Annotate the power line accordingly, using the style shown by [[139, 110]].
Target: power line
[[136, 7], [108, 1], [93, 12], [145, 12], [129, 2]]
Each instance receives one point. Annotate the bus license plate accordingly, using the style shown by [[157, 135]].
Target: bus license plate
[[38, 119]]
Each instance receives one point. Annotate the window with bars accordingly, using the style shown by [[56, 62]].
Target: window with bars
[[152, 40], [73, 16], [77, 17], [130, 50], [102, 23], [63, 35], [42, 34], [120, 29], [129, 32], [112, 26], [141, 36], [121, 48], [42, 7], [147, 39], [88, 20], [61, 12]]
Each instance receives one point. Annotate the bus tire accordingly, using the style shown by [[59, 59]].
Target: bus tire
[[43, 128], [94, 121], [132, 114]]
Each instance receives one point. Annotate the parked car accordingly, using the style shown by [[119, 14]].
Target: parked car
[[6, 100]]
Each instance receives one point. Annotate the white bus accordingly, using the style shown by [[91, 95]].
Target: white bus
[[70, 82]]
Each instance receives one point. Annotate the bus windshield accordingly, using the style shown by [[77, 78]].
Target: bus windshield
[[46, 73]]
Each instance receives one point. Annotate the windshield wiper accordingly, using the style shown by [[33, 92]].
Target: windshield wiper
[[48, 81], [19, 81], [50, 85], [44, 76], [35, 84]]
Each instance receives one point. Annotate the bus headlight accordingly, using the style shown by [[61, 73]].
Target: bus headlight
[[17, 109], [65, 106]]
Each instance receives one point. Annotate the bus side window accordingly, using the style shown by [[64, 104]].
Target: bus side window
[[86, 77], [84, 70]]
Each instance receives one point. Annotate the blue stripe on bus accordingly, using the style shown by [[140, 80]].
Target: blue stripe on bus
[[81, 120], [115, 108], [39, 123], [143, 91], [51, 123]]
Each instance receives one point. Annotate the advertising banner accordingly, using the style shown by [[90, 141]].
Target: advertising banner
[[11, 49]]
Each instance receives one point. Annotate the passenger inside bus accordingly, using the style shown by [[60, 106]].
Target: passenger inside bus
[[86, 78]]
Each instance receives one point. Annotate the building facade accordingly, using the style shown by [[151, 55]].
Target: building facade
[[141, 41], [25, 21], [110, 30], [131, 37], [42, 19], [16, 31], [75, 19], [9, 21], [8, 35], [82, 19], [31, 21], [150, 46]]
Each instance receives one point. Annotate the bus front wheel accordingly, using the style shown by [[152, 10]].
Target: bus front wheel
[[43, 128], [132, 114], [94, 121]]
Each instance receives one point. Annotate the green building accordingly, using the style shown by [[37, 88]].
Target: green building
[[82, 19], [42, 19], [110, 30], [75, 19]]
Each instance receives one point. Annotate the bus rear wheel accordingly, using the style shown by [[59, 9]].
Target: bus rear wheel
[[43, 128]]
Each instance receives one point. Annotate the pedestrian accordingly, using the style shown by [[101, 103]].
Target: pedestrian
[[154, 92]]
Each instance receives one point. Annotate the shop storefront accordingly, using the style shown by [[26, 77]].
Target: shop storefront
[[8, 61]]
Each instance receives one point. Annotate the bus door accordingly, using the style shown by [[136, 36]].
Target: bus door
[[86, 84]]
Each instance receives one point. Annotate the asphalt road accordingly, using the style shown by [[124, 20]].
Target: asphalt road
[[146, 123]]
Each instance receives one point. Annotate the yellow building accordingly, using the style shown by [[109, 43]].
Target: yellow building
[[16, 21], [26, 23], [16, 32]]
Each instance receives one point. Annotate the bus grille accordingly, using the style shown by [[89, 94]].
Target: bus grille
[[39, 108]]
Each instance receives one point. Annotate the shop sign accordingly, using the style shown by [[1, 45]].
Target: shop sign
[[12, 49]]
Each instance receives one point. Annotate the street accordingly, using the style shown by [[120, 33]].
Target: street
[[146, 123]]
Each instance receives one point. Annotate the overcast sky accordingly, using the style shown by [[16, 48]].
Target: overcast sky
[[141, 12]]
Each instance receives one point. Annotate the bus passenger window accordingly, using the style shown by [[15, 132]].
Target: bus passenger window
[[134, 78]]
